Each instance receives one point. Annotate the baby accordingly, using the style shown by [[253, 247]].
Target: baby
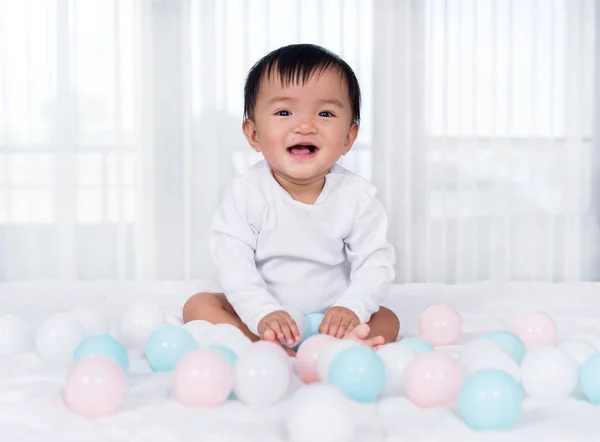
[[298, 231]]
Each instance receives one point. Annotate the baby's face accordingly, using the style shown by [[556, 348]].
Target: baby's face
[[302, 130]]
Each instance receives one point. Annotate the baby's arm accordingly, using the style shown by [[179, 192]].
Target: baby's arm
[[233, 240], [371, 258]]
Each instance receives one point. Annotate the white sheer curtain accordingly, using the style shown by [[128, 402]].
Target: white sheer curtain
[[120, 128], [484, 144]]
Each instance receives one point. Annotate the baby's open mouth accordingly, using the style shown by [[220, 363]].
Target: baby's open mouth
[[303, 150]]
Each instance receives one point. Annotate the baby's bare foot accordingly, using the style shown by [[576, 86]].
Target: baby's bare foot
[[360, 333]]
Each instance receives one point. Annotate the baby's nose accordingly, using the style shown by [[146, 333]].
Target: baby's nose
[[306, 126]]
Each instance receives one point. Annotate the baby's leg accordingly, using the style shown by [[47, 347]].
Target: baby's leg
[[384, 323], [382, 328], [214, 308]]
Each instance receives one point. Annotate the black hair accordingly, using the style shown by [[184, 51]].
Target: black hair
[[296, 64]]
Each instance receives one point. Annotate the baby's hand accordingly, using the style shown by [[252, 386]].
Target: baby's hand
[[277, 326], [338, 322]]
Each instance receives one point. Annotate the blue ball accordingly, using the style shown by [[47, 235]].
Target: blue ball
[[589, 378], [359, 373], [167, 346], [226, 352], [313, 322], [490, 400], [103, 346], [510, 342], [417, 344]]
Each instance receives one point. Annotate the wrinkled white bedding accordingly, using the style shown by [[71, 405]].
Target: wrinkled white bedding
[[31, 407]]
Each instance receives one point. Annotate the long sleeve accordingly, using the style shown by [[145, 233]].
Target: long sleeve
[[372, 260], [233, 241]]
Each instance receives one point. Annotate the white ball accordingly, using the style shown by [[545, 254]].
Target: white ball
[[495, 359], [300, 321], [395, 358], [548, 373], [329, 353], [58, 337], [197, 328], [578, 350], [473, 349], [320, 413], [139, 321], [225, 335], [262, 378], [94, 320], [14, 335]]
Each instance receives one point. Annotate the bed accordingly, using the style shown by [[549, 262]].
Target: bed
[[31, 408]]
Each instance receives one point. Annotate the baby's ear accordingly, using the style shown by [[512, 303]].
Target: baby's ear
[[351, 137], [249, 129]]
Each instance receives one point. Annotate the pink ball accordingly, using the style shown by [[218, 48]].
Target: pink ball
[[307, 358], [440, 325], [202, 378], [277, 348], [433, 380], [536, 329], [95, 387]]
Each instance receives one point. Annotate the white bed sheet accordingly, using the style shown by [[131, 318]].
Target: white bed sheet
[[31, 407]]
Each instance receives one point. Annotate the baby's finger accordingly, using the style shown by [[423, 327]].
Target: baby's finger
[[350, 327], [287, 333], [343, 328], [294, 329], [324, 327], [276, 327], [268, 334], [334, 325]]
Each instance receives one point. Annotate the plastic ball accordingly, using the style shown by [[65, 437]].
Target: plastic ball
[[548, 373], [417, 344], [395, 359], [202, 378], [262, 378], [58, 337], [320, 413], [93, 319], [510, 342], [226, 335], [490, 400], [167, 346], [229, 355], [578, 350], [313, 322], [440, 325], [328, 354], [95, 387], [274, 347], [139, 321], [104, 346], [589, 378], [494, 359], [536, 329], [197, 328], [307, 357], [359, 373], [472, 351], [432, 380], [14, 335]]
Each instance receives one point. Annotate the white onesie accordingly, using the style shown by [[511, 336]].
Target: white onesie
[[271, 251]]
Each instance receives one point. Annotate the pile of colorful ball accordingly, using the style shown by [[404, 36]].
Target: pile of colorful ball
[[487, 378]]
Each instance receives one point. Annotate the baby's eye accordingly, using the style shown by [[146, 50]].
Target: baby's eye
[[283, 113], [325, 114]]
